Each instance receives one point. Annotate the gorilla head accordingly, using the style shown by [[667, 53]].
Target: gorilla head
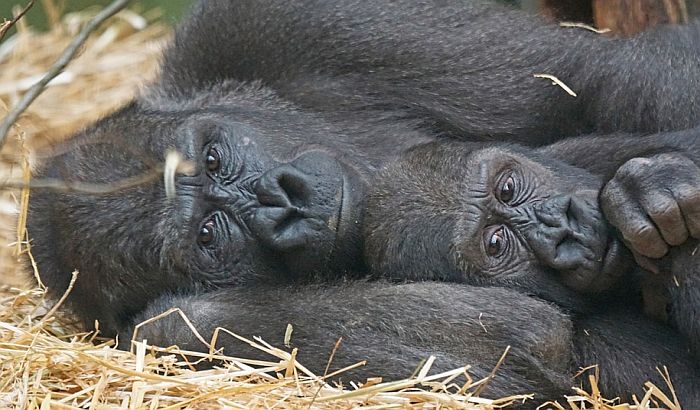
[[262, 204], [493, 215]]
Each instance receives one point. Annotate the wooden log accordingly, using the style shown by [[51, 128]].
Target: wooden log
[[622, 17], [628, 17]]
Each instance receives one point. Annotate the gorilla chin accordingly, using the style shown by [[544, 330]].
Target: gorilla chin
[[608, 268]]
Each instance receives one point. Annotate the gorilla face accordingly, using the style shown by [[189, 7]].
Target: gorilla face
[[245, 208], [499, 215], [257, 207]]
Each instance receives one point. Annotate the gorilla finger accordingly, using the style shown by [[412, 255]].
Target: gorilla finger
[[666, 215], [689, 202], [648, 264], [613, 199], [638, 231]]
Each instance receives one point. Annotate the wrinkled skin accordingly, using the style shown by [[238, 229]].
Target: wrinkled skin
[[287, 124]]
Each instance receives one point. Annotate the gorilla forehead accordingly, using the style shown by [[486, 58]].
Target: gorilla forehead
[[281, 128]]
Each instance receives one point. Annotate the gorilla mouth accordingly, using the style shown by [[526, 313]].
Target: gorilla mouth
[[337, 221], [603, 271], [614, 265], [346, 223]]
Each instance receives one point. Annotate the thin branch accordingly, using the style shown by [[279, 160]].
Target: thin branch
[[556, 81], [60, 185], [49, 315], [58, 67], [7, 25], [174, 165], [570, 24]]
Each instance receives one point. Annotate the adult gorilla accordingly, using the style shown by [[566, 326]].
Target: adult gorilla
[[288, 109]]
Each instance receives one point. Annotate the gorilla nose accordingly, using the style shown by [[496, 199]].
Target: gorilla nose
[[299, 208], [556, 238], [284, 186], [284, 215]]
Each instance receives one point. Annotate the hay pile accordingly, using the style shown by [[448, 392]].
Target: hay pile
[[45, 362]]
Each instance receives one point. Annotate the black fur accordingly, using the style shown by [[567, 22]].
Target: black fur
[[288, 109], [394, 326]]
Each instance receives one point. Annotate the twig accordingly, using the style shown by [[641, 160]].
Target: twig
[[49, 315], [59, 185], [58, 67], [490, 377], [174, 163], [5, 26], [164, 314], [569, 24], [325, 372], [558, 82]]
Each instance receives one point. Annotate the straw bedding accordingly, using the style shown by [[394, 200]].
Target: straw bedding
[[46, 362]]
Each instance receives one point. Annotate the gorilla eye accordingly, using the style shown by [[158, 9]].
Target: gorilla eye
[[213, 160], [495, 242], [206, 233], [506, 191]]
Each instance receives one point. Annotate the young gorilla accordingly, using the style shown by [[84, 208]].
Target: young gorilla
[[287, 109], [530, 220]]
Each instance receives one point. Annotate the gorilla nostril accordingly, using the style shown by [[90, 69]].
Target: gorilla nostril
[[288, 216], [295, 187], [268, 191], [278, 227], [576, 213], [284, 186]]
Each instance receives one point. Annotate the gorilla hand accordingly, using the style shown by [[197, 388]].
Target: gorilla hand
[[654, 202]]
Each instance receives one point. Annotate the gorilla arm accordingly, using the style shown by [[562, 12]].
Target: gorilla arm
[[630, 350], [466, 67], [393, 327]]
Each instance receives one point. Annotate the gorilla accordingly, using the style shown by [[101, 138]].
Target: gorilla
[[541, 221], [288, 110]]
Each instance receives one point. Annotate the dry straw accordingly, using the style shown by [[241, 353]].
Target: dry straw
[[46, 362]]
